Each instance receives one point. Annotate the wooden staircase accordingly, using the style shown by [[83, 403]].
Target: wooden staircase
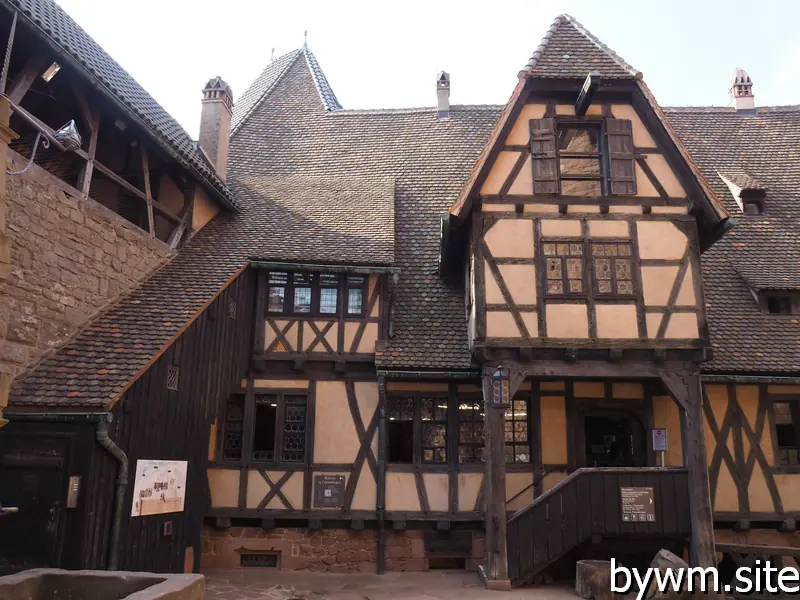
[[588, 504]]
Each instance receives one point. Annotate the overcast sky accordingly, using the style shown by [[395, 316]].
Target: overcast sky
[[386, 55]]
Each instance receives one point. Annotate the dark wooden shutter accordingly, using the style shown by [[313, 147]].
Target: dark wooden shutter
[[619, 133], [543, 156]]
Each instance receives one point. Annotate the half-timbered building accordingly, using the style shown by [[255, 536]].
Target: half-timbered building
[[495, 337]]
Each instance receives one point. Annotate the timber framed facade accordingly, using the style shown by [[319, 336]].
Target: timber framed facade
[[460, 357]]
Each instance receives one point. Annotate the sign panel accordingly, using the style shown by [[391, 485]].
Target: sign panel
[[159, 487], [660, 439], [638, 504], [329, 490]]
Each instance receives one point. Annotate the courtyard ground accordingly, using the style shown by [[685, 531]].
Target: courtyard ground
[[256, 584]]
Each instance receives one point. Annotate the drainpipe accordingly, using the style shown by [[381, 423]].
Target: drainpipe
[[122, 483], [380, 503]]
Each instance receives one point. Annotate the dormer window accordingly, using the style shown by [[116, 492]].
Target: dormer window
[[315, 293], [753, 207], [583, 157], [780, 302]]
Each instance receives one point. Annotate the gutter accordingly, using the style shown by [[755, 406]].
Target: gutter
[[317, 267], [101, 434], [392, 374], [754, 379]]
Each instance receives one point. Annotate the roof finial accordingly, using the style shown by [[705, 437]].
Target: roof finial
[[272, 56], [305, 40]]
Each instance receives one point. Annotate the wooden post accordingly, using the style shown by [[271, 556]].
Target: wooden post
[[686, 389], [495, 570], [147, 192], [380, 504], [186, 215], [25, 78], [85, 178]]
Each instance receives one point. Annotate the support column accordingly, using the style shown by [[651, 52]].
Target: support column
[[686, 389], [380, 504], [495, 570]]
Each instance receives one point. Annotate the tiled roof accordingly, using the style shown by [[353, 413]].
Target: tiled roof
[[87, 55], [270, 76], [761, 251], [569, 50], [743, 180]]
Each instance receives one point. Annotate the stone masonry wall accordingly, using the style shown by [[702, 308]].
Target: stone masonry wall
[[70, 258], [328, 550]]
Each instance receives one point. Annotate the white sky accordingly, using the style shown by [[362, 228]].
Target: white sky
[[385, 55]]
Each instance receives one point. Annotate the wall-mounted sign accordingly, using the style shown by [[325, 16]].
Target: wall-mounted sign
[[74, 490], [501, 387], [638, 504], [159, 487], [329, 490], [660, 439]]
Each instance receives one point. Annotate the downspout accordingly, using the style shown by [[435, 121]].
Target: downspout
[[122, 484], [380, 503]]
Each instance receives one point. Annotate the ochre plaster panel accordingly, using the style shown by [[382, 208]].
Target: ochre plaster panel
[[511, 238], [551, 385], [569, 109], [365, 496], [516, 483], [583, 208], [666, 177], [660, 239], [554, 435], [567, 321], [469, 486], [520, 134], [669, 210], [501, 324], [606, 228], [665, 414], [653, 321], [644, 187], [561, 228], [726, 498], [368, 339], [278, 384], [657, 284], [589, 389], [783, 389], [641, 136], [468, 387], [682, 326], [523, 183], [290, 335], [760, 499], [335, 439], [169, 195], [436, 486], [686, 295], [224, 487], [789, 488], [493, 293], [549, 480], [367, 400], [401, 492], [540, 208], [627, 390], [616, 321], [491, 208], [521, 282], [531, 320], [257, 488], [499, 173]]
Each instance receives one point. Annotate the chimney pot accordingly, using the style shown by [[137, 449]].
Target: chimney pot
[[443, 95], [215, 124], [740, 90]]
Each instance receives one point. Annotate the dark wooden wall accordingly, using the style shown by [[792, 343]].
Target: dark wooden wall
[[153, 422]]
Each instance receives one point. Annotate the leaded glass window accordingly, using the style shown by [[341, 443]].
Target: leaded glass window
[[234, 431], [294, 428], [434, 429], [518, 447], [470, 430], [564, 268], [613, 269]]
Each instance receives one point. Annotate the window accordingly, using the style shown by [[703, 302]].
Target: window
[[429, 414], [753, 208], [564, 268], [315, 293], [276, 434], [787, 420], [590, 157], [613, 271], [780, 303], [470, 430], [518, 447]]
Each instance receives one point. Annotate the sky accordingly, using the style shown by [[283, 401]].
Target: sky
[[386, 55]]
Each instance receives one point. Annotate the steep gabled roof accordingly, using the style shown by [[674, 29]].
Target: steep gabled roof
[[272, 75], [570, 50], [86, 56]]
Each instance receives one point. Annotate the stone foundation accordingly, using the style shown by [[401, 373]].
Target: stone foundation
[[327, 550]]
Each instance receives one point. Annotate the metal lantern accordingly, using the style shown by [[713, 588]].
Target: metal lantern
[[501, 387], [68, 136]]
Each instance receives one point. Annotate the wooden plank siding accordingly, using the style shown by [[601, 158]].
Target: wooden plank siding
[[152, 422]]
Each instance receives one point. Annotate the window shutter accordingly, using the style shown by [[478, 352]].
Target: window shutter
[[619, 133], [543, 156]]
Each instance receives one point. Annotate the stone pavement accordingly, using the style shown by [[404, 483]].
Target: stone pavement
[[257, 584]]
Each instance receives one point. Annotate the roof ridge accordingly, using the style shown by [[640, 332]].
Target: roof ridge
[[324, 89], [565, 18], [240, 120]]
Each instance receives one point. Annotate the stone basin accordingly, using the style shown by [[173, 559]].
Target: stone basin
[[58, 584]]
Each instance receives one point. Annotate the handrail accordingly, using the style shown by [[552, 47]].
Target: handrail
[[533, 483], [572, 476]]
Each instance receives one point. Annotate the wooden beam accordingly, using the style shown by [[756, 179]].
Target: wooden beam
[[148, 193], [25, 78], [187, 213], [80, 96], [685, 388], [590, 86], [85, 178]]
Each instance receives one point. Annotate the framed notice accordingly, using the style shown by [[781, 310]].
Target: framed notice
[[329, 490], [660, 439], [159, 487], [638, 504]]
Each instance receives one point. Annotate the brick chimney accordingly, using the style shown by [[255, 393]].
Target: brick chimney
[[741, 90], [215, 124], [443, 95]]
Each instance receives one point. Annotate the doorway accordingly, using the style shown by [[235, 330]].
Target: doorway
[[614, 439]]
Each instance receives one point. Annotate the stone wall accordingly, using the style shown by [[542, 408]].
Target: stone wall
[[326, 550], [70, 258]]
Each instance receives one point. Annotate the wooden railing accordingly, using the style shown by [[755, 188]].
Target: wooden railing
[[586, 504]]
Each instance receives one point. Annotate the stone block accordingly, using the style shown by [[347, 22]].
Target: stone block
[[15, 354], [23, 329]]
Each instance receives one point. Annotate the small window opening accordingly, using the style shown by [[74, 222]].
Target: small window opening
[[753, 208], [269, 561], [51, 72], [172, 378], [264, 428], [401, 430], [232, 309], [786, 423], [447, 563], [779, 305]]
